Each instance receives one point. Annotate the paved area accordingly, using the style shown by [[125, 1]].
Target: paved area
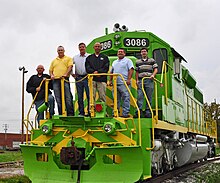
[[9, 172]]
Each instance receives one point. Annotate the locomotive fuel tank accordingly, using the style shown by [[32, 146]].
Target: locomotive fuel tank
[[191, 152]]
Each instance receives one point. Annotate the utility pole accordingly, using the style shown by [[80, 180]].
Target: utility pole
[[5, 127], [22, 103]]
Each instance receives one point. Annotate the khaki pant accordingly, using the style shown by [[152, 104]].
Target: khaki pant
[[101, 87]]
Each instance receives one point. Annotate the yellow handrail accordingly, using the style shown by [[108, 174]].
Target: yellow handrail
[[154, 117], [92, 109], [27, 120], [28, 115]]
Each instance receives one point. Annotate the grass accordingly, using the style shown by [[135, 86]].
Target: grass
[[7, 156], [208, 174], [16, 179], [217, 150]]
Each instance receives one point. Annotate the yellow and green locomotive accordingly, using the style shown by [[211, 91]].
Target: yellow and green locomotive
[[105, 147]]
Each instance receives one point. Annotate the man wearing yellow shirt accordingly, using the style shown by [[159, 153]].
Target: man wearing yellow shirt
[[61, 67]]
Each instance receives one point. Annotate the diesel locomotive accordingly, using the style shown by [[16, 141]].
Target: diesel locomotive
[[105, 147]]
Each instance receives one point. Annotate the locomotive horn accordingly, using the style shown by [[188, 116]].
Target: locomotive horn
[[124, 28], [116, 27]]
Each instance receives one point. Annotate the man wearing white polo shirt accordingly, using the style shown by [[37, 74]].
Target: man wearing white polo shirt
[[80, 73]]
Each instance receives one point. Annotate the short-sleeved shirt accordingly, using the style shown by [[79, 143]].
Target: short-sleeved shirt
[[122, 66], [59, 66], [79, 61], [145, 67]]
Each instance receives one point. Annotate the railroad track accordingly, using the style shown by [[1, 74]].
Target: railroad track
[[11, 164], [180, 170]]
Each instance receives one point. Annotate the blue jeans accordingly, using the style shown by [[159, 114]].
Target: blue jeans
[[148, 88], [51, 107], [80, 87], [123, 94], [68, 97]]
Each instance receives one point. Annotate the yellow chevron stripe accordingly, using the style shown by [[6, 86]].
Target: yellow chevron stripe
[[109, 101], [121, 120], [77, 134], [133, 83], [87, 137], [44, 138], [41, 139], [120, 137], [61, 144], [76, 106]]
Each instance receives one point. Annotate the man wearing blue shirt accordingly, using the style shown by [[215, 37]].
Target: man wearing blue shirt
[[125, 67]]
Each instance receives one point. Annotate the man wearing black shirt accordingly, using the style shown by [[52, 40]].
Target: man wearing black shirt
[[33, 86], [95, 64]]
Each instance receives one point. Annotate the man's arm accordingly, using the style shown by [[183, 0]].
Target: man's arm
[[50, 85], [136, 76], [29, 86], [154, 73], [130, 72], [111, 77], [51, 74], [89, 68], [69, 69]]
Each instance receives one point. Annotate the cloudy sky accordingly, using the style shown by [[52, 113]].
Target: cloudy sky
[[31, 30]]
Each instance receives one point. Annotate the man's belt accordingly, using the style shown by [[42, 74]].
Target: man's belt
[[82, 75]]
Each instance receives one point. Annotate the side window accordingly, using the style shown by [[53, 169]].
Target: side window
[[160, 55]]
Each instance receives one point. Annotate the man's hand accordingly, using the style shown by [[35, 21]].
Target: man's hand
[[38, 89], [110, 83], [52, 77], [96, 72], [74, 75], [128, 82], [152, 77]]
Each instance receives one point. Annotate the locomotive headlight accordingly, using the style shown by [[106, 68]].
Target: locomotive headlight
[[109, 128], [117, 37], [46, 128]]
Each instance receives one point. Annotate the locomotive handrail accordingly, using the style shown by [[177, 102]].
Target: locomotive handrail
[[187, 101], [92, 107], [147, 100], [28, 113], [90, 130], [154, 118], [164, 71], [27, 120], [62, 81], [204, 128]]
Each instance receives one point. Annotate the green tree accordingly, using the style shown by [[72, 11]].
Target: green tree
[[212, 111]]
